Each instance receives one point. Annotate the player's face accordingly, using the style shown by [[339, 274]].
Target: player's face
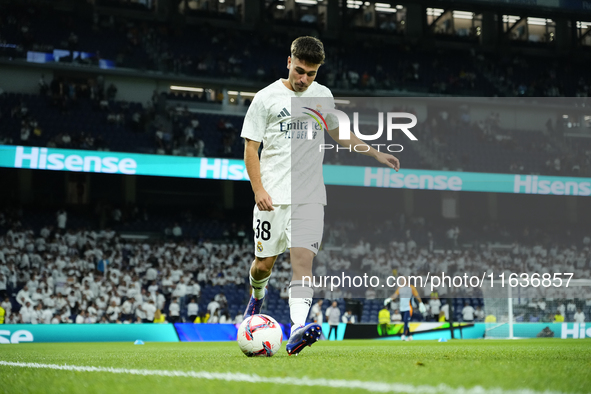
[[301, 74]]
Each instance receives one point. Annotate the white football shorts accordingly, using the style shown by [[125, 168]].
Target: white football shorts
[[288, 226]]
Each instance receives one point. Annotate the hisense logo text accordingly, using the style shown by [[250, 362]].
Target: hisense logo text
[[222, 169], [17, 337], [579, 331], [384, 177], [38, 158], [533, 185]]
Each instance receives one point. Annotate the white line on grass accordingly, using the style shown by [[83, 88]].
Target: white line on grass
[[381, 387]]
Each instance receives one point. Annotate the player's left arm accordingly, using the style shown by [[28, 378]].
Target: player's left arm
[[382, 157], [415, 293]]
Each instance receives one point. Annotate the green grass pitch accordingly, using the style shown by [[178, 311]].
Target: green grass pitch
[[531, 366]]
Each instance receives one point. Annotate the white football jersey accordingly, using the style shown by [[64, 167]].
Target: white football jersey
[[291, 164]]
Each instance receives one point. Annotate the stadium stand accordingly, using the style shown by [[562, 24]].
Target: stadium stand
[[206, 50], [93, 268], [81, 122]]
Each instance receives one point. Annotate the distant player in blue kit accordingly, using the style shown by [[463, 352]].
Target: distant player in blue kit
[[406, 293], [278, 222]]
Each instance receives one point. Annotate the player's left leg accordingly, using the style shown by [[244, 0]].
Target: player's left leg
[[305, 231], [300, 300], [300, 293]]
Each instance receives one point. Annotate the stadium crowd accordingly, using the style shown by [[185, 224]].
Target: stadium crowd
[[96, 277], [56, 118], [205, 50], [66, 275]]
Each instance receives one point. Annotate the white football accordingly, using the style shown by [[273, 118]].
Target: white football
[[260, 335]]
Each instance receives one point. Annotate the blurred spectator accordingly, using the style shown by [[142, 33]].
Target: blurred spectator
[[3, 286], [177, 231], [479, 314], [434, 307], [111, 92], [558, 317], [349, 317], [7, 306], [316, 312], [192, 310], [62, 218], [43, 87], [468, 313], [214, 318], [579, 317], [333, 317], [212, 307], [220, 298], [159, 317], [444, 313], [396, 316], [174, 311]]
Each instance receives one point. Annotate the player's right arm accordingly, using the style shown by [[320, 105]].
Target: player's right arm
[[253, 167], [422, 307], [253, 132]]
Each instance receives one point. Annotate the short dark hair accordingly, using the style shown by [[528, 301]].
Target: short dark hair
[[308, 49]]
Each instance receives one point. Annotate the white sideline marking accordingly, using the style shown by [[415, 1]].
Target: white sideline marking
[[380, 387]]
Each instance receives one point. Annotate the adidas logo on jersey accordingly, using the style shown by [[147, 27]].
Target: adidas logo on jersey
[[284, 112], [315, 245]]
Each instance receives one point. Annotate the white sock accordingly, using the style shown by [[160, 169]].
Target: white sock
[[300, 300], [258, 286]]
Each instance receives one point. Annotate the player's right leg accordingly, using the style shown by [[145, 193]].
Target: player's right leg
[[260, 272], [406, 315], [270, 240], [330, 332]]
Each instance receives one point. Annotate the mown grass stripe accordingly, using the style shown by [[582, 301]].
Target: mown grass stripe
[[380, 387]]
